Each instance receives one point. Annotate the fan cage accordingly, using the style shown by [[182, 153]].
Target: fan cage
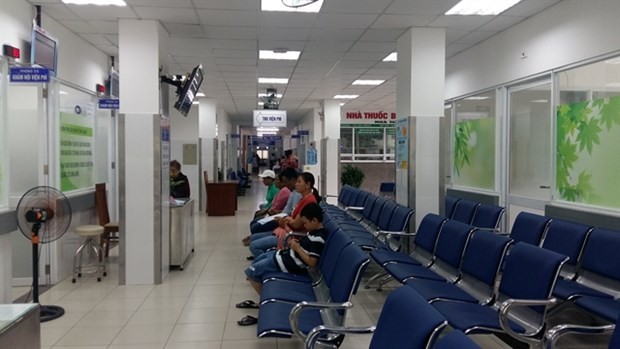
[[297, 3], [46, 198]]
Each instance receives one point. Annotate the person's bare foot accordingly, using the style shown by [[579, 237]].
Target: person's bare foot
[[246, 241]]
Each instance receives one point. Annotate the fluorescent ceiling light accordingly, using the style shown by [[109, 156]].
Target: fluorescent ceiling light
[[279, 54], [267, 129], [345, 96], [447, 106], [368, 82], [195, 102], [260, 134], [278, 95], [277, 5], [341, 104], [392, 57], [477, 98], [272, 81], [540, 101], [200, 94], [261, 103], [62, 93], [481, 7], [96, 2]]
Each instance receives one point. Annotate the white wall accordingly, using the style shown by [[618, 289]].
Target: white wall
[[569, 32], [184, 130]]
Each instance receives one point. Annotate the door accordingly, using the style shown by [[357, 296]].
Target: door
[[529, 153]]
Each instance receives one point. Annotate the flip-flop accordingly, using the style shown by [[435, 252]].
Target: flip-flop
[[247, 320], [250, 258], [247, 304]]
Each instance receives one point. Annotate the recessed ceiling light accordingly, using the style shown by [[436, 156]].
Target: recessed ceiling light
[[392, 57], [200, 94], [341, 104], [368, 82], [540, 101], [278, 95], [261, 103], [481, 7], [96, 2], [62, 93], [477, 98], [267, 129], [277, 5], [272, 81], [278, 54], [345, 96], [195, 102]]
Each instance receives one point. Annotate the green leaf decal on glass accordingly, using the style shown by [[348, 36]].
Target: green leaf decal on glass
[[610, 113]]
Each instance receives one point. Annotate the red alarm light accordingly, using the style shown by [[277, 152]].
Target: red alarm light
[[100, 88], [10, 51]]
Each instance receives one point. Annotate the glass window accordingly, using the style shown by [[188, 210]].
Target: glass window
[[588, 135], [3, 157], [390, 141], [474, 142], [530, 141], [369, 143], [346, 141]]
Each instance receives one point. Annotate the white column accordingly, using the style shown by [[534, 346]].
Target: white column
[[420, 97], [207, 113], [331, 135], [144, 222]]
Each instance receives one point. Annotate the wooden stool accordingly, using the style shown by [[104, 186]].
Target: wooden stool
[[88, 231]]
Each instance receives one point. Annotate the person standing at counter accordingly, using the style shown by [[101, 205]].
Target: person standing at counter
[[179, 184]]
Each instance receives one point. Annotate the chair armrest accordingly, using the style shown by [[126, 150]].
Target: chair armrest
[[508, 305], [394, 233], [318, 331], [553, 335], [354, 208], [493, 230], [293, 316]]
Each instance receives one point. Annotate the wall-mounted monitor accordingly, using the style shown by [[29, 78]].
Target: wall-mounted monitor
[[188, 91], [44, 50], [113, 88]]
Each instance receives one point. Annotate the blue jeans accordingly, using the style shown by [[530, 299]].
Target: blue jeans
[[256, 227], [262, 265], [262, 244]]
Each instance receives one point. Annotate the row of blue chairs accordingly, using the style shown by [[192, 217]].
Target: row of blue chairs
[[482, 216], [372, 221]]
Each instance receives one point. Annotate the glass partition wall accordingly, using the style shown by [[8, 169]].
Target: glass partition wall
[[3, 138]]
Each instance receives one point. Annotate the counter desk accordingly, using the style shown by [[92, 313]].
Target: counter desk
[[20, 326], [181, 231]]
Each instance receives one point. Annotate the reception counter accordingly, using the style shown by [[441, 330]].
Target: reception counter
[[181, 232], [221, 198]]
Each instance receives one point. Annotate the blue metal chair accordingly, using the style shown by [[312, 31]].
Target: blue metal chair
[[465, 210]]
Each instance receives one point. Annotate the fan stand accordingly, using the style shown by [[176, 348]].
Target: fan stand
[[48, 312]]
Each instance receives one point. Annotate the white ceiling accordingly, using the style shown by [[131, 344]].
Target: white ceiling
[[346, 41]]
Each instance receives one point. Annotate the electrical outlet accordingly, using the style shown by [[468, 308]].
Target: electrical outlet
[[48, 269]]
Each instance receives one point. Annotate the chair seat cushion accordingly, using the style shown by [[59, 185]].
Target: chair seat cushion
[[89, 230], [273, 320], [111, 225], [456, 339], [473, 317], [288, 277], [402, 271], [565, 289], [287, 291], [383, 256], [436, 290], [607, 308]]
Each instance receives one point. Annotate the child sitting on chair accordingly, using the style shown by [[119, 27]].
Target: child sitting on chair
[[300, 255]]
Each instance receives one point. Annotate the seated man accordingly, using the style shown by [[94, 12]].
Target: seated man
[[296, 258], [269, 178], [179, 184]]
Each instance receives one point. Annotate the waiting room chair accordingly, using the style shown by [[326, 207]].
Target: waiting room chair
[[110, 229], [553, 335]]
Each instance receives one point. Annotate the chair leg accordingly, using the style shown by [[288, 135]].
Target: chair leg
[[95, 247], [379, 275]]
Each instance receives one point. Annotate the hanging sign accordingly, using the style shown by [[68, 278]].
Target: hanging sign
[[29, 74], [269, 118], [303, 133], [109, 103], [368, 117]]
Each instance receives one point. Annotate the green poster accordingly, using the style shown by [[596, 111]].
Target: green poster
[[587, 152], [76, 150], [474, 153]]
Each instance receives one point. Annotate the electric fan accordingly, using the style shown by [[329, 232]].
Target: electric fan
[[43, 215]]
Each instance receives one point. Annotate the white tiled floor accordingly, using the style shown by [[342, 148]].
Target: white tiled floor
[[193, 308]]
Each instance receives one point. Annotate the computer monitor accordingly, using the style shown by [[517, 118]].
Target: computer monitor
[[113, 89], [44, 50], [188, 91]]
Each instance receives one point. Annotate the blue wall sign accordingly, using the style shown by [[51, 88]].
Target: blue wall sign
[[109, 103], [294, 136], [29, 74], [235, 135], [303, 133]]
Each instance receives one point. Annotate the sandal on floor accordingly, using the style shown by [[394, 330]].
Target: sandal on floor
[[247, 304], [250, 258], [246, 241], [247, 320]]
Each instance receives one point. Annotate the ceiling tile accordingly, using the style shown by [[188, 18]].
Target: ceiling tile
[[325, 34], [105, 27], [168, 15], [228, 4], [160, 3], [460, 22], [402, 21], [330, 20], [527, 8], [382, 34], [104, 13], [285, 34], [184, 30], [358, 6], [475, 37], [59, 12], [227, 32], [80, 27], [224, 17], [421, 7], [500, 23], [384, 47], [287, 20], [96, 39]]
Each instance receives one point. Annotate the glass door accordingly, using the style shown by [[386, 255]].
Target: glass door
[[529, 153]]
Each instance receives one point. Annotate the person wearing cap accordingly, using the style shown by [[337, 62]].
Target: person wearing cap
[[268, 177]]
